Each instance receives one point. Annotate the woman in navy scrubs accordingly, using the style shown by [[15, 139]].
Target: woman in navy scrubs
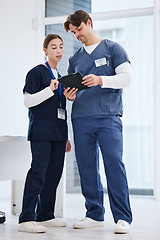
[[48, 140]]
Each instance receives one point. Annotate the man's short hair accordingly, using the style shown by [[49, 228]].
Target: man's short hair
[[76, 19]]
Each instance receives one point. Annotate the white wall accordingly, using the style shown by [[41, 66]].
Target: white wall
[[18, 53], [107, 5]]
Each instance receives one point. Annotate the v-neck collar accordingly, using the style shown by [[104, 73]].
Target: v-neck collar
[[94, 48], [47, 69]]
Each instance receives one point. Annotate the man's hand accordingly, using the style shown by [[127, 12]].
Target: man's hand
[[92, 80], [68, 146], [70, 94]]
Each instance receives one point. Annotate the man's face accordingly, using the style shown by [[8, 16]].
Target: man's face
[[82, 32]]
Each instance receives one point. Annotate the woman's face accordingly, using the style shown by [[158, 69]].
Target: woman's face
[[54, 51]]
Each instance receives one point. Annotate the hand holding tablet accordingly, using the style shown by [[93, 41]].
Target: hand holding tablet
[[73, 81]]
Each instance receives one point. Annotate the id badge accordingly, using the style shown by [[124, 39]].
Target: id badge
[[61, 113], [101, 62]]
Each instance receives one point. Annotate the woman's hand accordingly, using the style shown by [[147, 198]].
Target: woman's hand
[[70, 94], [54, 84], [92, 80], [68, 146]]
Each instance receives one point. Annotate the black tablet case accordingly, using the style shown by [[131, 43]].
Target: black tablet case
[[73, 81]]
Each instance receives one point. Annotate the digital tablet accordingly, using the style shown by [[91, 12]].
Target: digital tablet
[[73, 81]]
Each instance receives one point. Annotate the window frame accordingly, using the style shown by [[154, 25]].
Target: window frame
[[155, 11]]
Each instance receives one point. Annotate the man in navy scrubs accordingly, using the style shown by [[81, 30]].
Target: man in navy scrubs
[[96, 122]]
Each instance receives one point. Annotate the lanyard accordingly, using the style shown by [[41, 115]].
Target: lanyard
[[59, 89]]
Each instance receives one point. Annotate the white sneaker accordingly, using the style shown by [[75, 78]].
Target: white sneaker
[[32, 227], [122, 227], [56, 222], [88, 223]]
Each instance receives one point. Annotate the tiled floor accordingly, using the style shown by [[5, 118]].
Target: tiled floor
[[146, 224]]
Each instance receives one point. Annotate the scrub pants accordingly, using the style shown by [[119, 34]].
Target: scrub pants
[[105, 132], [42, 180]]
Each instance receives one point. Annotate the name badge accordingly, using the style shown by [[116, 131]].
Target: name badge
[[61, 113], [101, 62]]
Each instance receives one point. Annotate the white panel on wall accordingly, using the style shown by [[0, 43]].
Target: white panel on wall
[[18, 50]]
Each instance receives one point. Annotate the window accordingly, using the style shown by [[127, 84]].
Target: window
[[54, 8], [138, 99]]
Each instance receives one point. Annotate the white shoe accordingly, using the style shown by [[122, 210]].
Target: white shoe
[[32, 227], [122, 227], [56, 222], [88, 223]]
